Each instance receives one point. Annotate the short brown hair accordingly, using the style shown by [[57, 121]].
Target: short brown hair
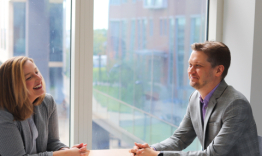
[[13, 91], [217, 52]]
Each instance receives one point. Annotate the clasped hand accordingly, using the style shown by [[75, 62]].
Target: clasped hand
[[79, 149], [82, 149], [143, 150]]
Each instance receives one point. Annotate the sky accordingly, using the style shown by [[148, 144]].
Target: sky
[[101, 14]]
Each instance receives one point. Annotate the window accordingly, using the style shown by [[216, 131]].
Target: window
[[19, 28], [155, 4], [115, 2], [163, 22], [196, 34], [171, 42], [123, 37], [161, 26], [142, 96], [115, 37], [144, 33], [180, 48], [151, 27], [139, 33], [132, 34], [41, 30]]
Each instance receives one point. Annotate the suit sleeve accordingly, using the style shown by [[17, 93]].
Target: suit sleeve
[[182, 137], [11, 143], [54, 143], [236, 120]]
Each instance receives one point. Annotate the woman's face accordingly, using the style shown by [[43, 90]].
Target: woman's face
[[33, 80]]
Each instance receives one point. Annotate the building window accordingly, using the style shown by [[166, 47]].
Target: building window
[[171, 39], [155, 4], [163, 28], [56, 33], [180, 45], [143, 35], [139, 32], [160, 26], [132, 35], [196, 34], [151, 27], [123, 38], [19, 28]]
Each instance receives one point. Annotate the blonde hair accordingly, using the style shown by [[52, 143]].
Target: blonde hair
[[13, 91]]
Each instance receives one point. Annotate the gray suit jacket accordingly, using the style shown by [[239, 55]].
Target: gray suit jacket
[[229, 128], [15, 135]]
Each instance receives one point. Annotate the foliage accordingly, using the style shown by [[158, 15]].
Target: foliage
[[100, 74], [100, 37], [120, 83]]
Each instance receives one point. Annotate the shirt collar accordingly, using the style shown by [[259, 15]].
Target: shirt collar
[[207, 98]]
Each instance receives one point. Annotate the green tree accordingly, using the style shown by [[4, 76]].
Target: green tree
[[100, 37]]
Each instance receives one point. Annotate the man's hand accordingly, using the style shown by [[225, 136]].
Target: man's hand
[[147, 152], [137, 147]]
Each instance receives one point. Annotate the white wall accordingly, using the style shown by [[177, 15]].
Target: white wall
[[243, 35], [256, 80]]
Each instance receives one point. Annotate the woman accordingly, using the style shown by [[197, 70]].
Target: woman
[[28, 116]]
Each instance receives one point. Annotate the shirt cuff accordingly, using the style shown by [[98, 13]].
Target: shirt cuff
[[153, 148]]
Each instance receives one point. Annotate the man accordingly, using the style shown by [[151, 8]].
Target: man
[[220, 116]]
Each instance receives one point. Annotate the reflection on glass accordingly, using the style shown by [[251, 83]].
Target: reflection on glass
[[159, 130], [141, 50], [41, 30], [126, 118]]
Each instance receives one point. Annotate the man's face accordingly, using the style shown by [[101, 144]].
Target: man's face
[[200, 71]]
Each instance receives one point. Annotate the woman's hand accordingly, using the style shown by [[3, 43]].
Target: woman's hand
[[72, 152], [82, 149]]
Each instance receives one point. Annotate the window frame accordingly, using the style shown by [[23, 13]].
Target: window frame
[[81, 72], [215, 20]]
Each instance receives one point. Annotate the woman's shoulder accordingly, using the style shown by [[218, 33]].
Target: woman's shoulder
[[6, 116], [48, 103], [48, 98]]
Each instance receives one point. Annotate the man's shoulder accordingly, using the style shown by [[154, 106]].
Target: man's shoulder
[[194, 95], [231, 93], [223, 94]]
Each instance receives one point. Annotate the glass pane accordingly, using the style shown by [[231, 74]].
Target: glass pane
[[141, 50], [41, 30], [160, 130], [126, 118]]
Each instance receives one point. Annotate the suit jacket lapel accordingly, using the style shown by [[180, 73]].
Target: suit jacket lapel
[[199, 116], [211, 105], [26, 135]]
